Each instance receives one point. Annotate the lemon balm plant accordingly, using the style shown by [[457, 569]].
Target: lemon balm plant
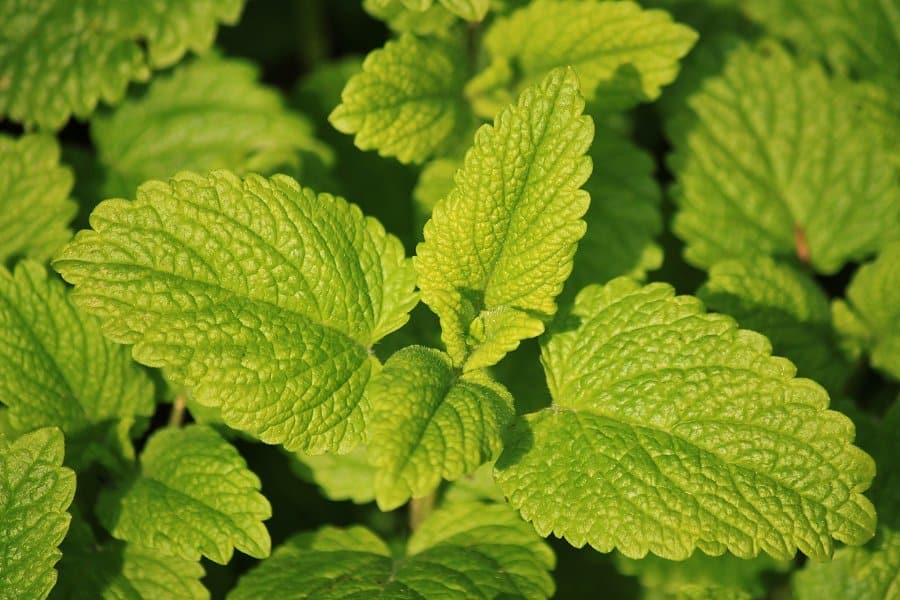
[[439, 283]]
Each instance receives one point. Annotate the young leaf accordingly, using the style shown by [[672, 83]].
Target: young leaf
[[59, 57], [622, 53], [35, 208], [194, 496], [208, 114], [871, 315], [672, 430], [35, 491], [776, 164], [498, 249], [258, 294], [57, 369], [465, 551], [862, 37], [407, 101], [428, 422], [786, 306], [624, 216], [470, 10]]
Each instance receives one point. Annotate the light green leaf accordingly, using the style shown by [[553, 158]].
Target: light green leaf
[[194, 496], [671, 430], [623, 54], [262, 297], [60, 57], [869, 573], [466, 551], [340, 476], [208, 114], [701, 576], [435, 183], [777, 164], [624, 217], [477, 486], [429, 422], [785, 305], [57, 369], [498, 249], [407, 101], [470, 10], [399, 17], [35, 208], [35, 491], [862, 37], [870, 317]]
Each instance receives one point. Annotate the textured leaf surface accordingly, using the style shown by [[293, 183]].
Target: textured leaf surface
[[467, 551], [60, 57], [428, 423], [260, 295], [57, 369], [340, 476], [776, 164], [785, 305], [673, 430], [35, 208], [498, 249], [407, 101], [871, 314], [470, 10], [118, 571], [194, 496], [862, 36], [622, 53], [209, 114], [35, 491], [624, 216]]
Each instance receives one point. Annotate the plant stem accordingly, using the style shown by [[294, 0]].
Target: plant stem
[[419, 509], [176, 417]]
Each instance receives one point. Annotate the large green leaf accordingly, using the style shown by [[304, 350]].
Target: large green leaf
[[261, 296], [671, 430]]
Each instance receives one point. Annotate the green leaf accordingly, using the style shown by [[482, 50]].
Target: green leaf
[[785, 305], [35, 491], [624, 217], [118, 571], [57, 369], [35, 208], [623, 54], [862, 37], [466, 551], [435, 182], [498, 249], [399, 17], [429, 422], [871, 314], [60, 57], [262, 297], [208, 114], [340, 476], [470, 10], [407, 101], [776, 164], [701, 576], [194, 496], [671, 430]]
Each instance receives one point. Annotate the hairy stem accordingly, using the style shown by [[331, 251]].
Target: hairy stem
[[176, 417], [419, 509]]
